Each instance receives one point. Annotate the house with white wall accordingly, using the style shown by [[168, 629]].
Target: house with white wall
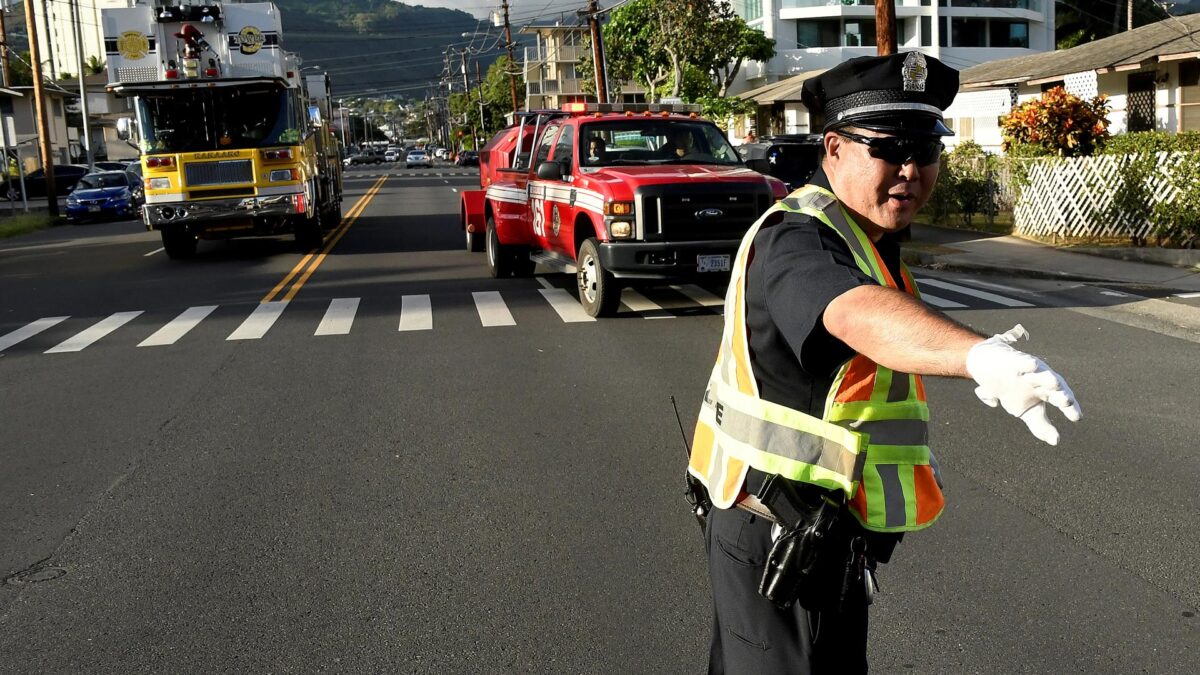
[[1151, 76]]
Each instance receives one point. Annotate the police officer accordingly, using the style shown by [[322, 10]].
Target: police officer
[[812, 441]]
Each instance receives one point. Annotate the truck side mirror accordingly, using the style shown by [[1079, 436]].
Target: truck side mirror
[[760, 165], [125, 128], [549, 171]]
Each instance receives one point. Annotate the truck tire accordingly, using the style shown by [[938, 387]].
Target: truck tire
[[475, 241], [499, 257], [599, 291], [178, 243], [309, 233]]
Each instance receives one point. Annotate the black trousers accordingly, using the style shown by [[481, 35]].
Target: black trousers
[[751, 636]]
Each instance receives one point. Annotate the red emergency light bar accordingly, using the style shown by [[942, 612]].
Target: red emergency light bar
[[628, 108]]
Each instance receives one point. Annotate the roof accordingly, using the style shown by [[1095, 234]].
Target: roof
[[781, 91], [1171, 39]]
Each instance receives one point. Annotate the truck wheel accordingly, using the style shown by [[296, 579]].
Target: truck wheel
[[178, 243], [599, 292], [499, 258], [309, 234]]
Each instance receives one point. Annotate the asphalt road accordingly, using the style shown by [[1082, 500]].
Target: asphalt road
[[413, 467]]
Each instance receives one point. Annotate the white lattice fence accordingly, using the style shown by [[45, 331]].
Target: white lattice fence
[[1073, 197]]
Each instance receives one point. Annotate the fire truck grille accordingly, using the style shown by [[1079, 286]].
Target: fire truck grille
[[700, 216], [219, 173]]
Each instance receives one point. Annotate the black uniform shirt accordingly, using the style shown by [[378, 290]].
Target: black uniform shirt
[[799, 266]]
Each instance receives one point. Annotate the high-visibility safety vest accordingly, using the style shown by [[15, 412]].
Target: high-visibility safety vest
[[871, 441]]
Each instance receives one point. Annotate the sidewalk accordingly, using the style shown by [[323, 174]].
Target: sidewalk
[[1012, 256]]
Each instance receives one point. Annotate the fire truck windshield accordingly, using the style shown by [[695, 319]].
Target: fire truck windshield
[[653, 141], [221, 118]]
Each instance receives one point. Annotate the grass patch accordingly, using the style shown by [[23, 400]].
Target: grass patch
[[1002, 224], [11, 226]]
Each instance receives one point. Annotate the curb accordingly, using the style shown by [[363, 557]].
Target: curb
[[936, 262]]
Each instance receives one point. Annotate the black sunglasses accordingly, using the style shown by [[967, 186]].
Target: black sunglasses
[[899, 151]]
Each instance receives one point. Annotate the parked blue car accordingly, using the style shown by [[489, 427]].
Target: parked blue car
[[105, 194]]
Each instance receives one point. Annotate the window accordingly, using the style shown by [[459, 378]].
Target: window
[[1008, 33], [562, 151], [818, 33], [1139, 102], [1189, 96], [908, 27], [944, 35], [748, 9], [968, 32], [860, 33], [926, 31], [547, 142]]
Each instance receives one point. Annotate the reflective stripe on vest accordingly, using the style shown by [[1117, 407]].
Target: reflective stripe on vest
[[872, 440]]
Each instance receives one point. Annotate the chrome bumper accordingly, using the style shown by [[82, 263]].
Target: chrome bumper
[[157, 215]]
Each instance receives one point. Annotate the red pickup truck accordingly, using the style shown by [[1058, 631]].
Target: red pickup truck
[[618, 194]]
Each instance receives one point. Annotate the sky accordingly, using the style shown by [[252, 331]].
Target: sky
[[520, 11]]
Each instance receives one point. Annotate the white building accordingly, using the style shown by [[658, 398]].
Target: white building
[[816, 34], [56, 32]]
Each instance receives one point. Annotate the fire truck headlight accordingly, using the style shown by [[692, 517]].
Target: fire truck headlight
[[159, 184], [620, 229], [284, 174]]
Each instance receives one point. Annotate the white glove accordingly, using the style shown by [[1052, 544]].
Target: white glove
[[1020, 383]]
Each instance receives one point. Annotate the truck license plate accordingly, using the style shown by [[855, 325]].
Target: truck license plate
[[93, 209], [712, 263]]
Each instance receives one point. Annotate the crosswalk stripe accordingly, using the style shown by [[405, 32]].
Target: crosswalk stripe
[[29, 330], [700, 296], [416, 313], [643, 305], [260, 321], [339, 317], [88, 336], [178, 327], [568, 308], [941, 302], [492, 310], [983, 295]]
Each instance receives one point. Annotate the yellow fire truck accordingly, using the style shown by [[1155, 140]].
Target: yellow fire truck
[[234, 141]]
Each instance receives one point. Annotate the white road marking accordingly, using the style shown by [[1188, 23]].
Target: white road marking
[[89, 336], [29, 330], [454, 189], [416, 313], [492, 310], [147, 255], [339, 317], [1186, 296], [701, 296], [941, 302], [987, 284], [643, 305], [260, 321], [1115, 294], [568, 308], [545, 284], [178, 327], [983, 295]]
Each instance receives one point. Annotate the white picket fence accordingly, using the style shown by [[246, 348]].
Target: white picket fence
[[1072, 197]]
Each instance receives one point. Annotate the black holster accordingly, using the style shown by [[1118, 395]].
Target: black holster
[[796, 566]]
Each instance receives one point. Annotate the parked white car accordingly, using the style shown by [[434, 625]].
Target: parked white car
[[392, 155]]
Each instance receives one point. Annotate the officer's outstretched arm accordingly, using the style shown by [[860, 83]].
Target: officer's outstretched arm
[[899, 332]]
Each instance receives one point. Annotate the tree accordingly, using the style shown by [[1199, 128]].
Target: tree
[[1077, 23], [94, 65], [1059, 123], [497, 97], [636, 48]]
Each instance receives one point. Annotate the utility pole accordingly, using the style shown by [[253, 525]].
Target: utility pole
[[86, 136], [593, 19], [467, 98], [512, 63], [4, 46], [1128, 14], [49, 39], [479, 87], [39, 99], [885, 27]]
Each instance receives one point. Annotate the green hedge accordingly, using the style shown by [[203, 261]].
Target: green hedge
[[1138, 142]]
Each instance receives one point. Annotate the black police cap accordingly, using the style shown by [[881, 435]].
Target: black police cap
[[902, 94]]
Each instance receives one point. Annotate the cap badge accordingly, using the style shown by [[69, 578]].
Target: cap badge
[[914, 72]]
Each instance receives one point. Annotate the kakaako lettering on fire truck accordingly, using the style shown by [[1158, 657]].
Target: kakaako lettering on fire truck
[[619, 194], [234, 141]]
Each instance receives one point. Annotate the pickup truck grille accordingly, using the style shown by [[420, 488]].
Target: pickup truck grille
[[219, 173], [684, 213]]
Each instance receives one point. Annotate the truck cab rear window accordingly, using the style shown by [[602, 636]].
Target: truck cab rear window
[[654, 141]]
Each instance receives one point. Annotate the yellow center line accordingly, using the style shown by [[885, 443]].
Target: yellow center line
[[346, 220], [337, 236]]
